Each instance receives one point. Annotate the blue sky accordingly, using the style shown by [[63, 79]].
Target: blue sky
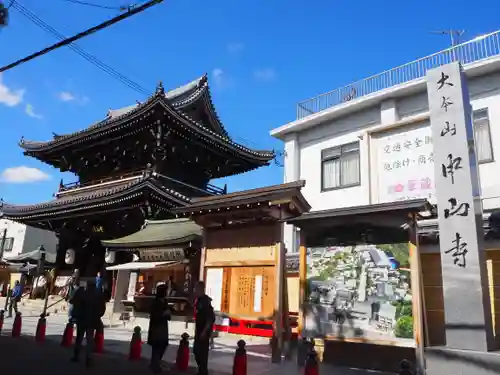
[[262, 57]]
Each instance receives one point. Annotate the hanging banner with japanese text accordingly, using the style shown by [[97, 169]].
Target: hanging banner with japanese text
[[459, 205], [405, 164]]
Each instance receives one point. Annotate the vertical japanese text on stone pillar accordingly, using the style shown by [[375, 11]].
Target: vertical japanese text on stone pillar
[[459, 209]]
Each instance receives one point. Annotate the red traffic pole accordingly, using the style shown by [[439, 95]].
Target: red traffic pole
[[67, 338], [312, 365], [17, 325], [135, 345], [405, 368], [99, 339], [41, 329], [2, 318], [182, 360], [240, 359]]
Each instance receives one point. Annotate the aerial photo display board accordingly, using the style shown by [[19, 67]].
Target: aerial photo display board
[[361, 292]]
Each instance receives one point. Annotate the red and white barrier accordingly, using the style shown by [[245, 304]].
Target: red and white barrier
[[260, 328]]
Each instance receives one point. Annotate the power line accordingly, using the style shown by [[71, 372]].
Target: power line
[[95, 61], [85, 33], [74, 47], [107, 7]]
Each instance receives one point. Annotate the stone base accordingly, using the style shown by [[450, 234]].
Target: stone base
[[383, 358], [443, 361]]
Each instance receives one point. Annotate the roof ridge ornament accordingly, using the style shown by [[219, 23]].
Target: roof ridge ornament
[[160, 90], [203, 80], [148, 171]]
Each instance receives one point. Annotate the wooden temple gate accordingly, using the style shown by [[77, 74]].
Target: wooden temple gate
[[243, 258], [137, 163]]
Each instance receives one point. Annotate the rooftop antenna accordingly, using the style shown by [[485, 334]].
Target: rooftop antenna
[[454, 35]]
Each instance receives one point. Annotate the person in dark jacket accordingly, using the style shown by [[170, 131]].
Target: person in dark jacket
[[89, 306], [72, 287], [158, 328], [205, 318]]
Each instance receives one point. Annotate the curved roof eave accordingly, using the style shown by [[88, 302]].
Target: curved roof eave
[[90, 200], [162, 232], [103, 125], [265, 156], [191, 89], [262, 156], [203, 94]]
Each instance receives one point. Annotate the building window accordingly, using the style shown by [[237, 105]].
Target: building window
[[340, 166], [484, 149], [8, 244]]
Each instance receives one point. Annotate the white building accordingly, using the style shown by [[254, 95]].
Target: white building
[[370, 142], [21, 239]]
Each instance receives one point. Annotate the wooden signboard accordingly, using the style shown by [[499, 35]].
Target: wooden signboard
[[162, 255]]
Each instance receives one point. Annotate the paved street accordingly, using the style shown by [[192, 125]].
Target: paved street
[[24, 356], [116, 345], [117, 342]]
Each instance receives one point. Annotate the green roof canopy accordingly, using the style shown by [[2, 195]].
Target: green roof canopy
[[159, 233]]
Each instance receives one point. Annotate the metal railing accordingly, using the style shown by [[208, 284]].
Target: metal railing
[[78, 185], [477, 49], [208, 190]]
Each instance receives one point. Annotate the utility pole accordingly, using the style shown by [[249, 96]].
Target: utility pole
[[92, 30], [454, 35], [4, 13], [455, 41]]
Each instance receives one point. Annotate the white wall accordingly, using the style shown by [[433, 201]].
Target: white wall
[[16, 231], [392, 120], [345, 130], [36, 237], [27, 238]]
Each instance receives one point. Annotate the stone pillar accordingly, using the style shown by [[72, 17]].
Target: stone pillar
[[465, 288]]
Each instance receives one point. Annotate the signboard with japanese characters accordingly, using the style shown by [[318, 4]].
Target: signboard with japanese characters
[[405, 164], [461, 235]]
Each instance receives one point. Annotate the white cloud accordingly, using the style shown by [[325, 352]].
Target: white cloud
[[235, 48], [267, 74], [84, 100], [218, 76], [23, 175], [221, 79], [9, 97], [66, 96], [30, 111]]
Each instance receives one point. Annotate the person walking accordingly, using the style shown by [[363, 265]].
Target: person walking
[[171, 287], [158, 328], [205, 318], [88, 308], [98, 281], [72, 287], [15, 297]]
